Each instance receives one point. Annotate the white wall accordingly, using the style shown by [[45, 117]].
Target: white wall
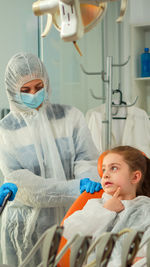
[[139, 11], [18, 31]]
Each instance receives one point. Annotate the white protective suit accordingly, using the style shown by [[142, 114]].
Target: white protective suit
[[94, 220], [45, 153]]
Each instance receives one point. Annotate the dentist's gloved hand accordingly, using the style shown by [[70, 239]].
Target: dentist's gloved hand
[[89, 186], [5, 189]]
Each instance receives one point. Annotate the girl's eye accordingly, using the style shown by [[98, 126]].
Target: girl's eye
[[114, 168], [103, 170]]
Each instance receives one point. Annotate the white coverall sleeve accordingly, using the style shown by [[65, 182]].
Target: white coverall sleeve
[[92, 218], [35, 191]]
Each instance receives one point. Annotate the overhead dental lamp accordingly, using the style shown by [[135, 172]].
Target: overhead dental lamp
[[73, 18]]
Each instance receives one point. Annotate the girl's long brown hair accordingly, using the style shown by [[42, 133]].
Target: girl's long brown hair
[[136, 160]]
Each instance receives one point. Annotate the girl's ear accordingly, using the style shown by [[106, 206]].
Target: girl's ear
[[137, 175]]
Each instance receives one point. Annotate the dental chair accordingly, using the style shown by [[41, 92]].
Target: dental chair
[[78, 205], [108, 240]]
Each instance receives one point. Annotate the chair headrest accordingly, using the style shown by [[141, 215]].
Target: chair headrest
[[100, 163]]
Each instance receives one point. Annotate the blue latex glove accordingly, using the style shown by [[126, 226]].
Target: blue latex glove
[[89, 186], [5, 189]]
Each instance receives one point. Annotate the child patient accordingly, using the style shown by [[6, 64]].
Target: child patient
[[125, 202]]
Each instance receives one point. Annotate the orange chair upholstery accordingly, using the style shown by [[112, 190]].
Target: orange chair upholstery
[[100, 162], [77, 205]]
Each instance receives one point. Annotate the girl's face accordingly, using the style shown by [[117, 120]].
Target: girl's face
[[116, 173]]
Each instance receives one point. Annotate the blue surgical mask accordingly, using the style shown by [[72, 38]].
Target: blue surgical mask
[[33, 100]]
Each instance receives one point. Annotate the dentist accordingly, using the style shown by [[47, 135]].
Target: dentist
[[46, 150]]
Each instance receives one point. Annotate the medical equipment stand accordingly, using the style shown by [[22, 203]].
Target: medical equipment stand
[[109, 105], [109, 102]]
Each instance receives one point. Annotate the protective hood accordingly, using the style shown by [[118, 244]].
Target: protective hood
[[22, 68]]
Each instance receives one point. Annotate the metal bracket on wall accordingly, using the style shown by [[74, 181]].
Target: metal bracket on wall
[[109, 92]]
